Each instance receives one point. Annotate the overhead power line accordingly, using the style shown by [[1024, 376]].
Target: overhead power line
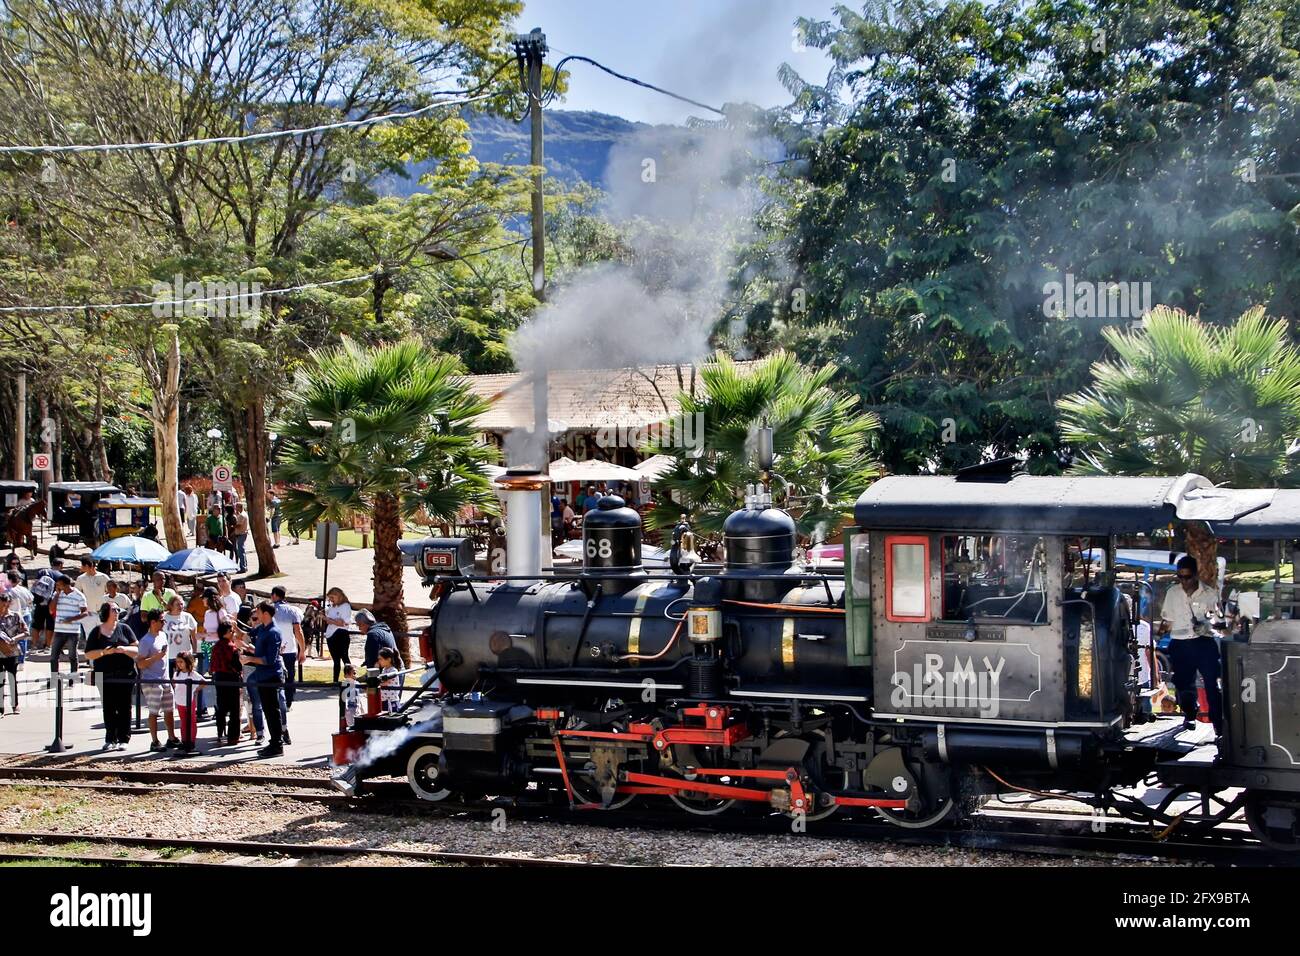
[[237, 295], [627, 79], [175, 302], [247, 138]]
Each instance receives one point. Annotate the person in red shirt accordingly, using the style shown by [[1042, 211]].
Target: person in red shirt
[[226, 674]]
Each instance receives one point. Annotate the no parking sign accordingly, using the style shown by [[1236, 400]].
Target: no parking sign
[[221, 479], [41, 462]]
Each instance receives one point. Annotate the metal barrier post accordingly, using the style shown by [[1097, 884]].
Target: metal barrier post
[[57, 747], [190, 715], [139, 721]]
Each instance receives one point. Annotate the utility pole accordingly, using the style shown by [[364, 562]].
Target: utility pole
[[530, 48], [20, 428]]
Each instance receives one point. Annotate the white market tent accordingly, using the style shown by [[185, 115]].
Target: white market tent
[[655, 466], [564, 469]]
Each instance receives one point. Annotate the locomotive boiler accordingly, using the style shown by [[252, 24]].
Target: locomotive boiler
[[968, 647]]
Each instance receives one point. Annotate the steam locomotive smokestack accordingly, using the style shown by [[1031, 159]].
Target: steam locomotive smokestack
[[523, 489]]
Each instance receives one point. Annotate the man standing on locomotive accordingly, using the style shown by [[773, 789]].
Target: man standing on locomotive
[[1185, 617]]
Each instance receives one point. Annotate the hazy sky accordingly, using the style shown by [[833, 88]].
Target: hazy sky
[[714, 51]]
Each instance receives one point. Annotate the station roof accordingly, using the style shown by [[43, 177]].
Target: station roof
[[1281, 519], [1065, 504], [587, 399]]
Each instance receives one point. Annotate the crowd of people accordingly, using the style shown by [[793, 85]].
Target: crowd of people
[[220, 650], [565, 514], [223, 524]]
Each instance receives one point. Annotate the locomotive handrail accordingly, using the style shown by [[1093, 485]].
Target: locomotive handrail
[[599, 574]]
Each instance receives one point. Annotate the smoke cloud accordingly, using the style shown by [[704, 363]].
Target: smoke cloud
[[683, 198]]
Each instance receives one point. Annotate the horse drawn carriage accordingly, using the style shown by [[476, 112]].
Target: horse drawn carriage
[[92, 512], [19, 508]]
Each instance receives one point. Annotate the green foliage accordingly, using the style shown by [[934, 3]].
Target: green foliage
[[391, 419], [962, 155], [1182, 395], [821, 442]]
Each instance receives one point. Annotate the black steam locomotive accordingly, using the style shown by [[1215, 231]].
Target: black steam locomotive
[[971, 646]]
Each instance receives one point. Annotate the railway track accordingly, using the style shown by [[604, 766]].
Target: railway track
[[242, 851], [1006, 829], [303, 789]]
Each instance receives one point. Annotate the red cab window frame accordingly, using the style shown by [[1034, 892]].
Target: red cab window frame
[[913, 539]]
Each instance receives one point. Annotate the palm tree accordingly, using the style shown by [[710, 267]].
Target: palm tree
[[820, 438], [388, 431], [1184, 396]]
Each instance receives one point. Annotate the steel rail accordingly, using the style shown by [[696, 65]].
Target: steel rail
[[299, 850]]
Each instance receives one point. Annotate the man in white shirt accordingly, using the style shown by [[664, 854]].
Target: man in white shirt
[[293, 647], [227, 597], [1185, 617], [94, 585], [113, 595], [191, 508]]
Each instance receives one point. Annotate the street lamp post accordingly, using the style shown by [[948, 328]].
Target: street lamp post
[[214, 435]]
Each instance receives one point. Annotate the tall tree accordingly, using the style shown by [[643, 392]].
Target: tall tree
[[962, 156], [386, 431], [124, 71]]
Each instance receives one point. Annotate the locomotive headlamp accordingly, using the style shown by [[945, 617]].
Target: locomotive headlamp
[[439, 556]]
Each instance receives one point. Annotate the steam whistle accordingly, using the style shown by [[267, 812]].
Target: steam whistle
[[682, 556]]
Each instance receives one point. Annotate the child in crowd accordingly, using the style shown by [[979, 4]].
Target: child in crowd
[[12, 630], [351, 695], [186, 681], [390, 691]]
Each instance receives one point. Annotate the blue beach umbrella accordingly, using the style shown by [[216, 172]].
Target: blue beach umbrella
[[198, 561], [131, 548]]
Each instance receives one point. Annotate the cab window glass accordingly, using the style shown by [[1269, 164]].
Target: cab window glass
[[907, 578], [994, 577], [862, 568]]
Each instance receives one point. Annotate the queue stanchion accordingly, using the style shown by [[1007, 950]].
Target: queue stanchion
[[57, 746], [190, 715]]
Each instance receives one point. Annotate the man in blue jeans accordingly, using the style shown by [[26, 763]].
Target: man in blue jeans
[[268, 670], [288, 619]]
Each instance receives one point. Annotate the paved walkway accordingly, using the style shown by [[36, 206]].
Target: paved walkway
[[312, 720]]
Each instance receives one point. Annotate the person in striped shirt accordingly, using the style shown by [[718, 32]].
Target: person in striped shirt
[[67, 609]]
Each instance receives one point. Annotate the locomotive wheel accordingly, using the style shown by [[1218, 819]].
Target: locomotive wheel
[[811, 765], [1275, 821], [585, 789], [423, 771], [701, 806], [917, 821]]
